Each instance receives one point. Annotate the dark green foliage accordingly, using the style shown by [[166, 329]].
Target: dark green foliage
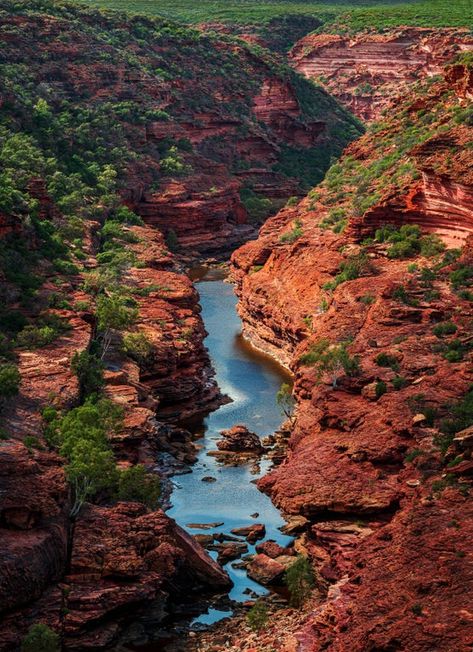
[[460, 417], [135, 484], [299, 579], [381, 388], [462, 277], [258, 207], [12, 321], [41, 638], [446, 328], [387, 360], [138, 347], [343, 16], [355, 266], [332, 359], [399, 382], [291, 236], [82, 438], [9, 380], [286, 400], [46, 329], [89, 371], [32, 442], [414, 454], [416, 609], [172, 241], [405, 241], [257, 616]]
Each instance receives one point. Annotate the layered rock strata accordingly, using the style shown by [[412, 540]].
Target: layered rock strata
[[384, 491], [367, 71]]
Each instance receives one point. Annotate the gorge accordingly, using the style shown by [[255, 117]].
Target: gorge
[[167, 463]]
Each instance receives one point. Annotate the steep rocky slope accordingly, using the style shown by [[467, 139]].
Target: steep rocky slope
[[367, 71], [195, 157], [375, 322]]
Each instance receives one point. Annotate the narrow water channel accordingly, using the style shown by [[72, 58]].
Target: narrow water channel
[[251, 380]]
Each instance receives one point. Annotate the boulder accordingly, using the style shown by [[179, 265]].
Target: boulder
[[251, 532], [265, 570], [272, 549], [239, 439]]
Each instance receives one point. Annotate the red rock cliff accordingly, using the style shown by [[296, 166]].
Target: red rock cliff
[[367, 71], [387, 504]]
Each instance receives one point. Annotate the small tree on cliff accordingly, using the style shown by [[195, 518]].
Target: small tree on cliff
[[285, 400], [113, 313], [82, 436], [41, 638], [89, 371], [135, 484], [299, 579], [331, 359]]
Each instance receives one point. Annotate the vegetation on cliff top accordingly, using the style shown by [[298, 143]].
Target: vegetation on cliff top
[[430, 130], [360, 14]]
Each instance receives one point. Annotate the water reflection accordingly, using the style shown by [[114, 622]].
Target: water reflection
[[251, 379]]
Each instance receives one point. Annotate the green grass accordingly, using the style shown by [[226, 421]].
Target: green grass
[[343, 15]]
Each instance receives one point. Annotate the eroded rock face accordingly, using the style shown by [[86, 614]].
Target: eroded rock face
[[33, 523], [383, 516], [367, 71], [127, 556]]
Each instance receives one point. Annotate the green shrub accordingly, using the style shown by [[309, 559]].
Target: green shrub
[[399, 382], [82, 436], [414, 454], [113, 314], [12, 320], [138, 347], [257, 206], [10, 380], [405, 241], [135, 484], [32, 442], [89, 371], [35, 337], [355, 266], [431, 245], [172, 241], [461, 277], [387, 360], [381, 388], [257, 616], [41, 638], [47, 328], [331, 359], [299, 579], [286, 400], [291, 236], [446, 328]]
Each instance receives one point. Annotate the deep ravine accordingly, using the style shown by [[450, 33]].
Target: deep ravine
[[251, 380]]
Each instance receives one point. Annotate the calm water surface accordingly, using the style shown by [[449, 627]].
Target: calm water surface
[[251, 380]]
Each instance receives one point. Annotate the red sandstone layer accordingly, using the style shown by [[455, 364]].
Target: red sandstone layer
[[368, 71], [388, 517]]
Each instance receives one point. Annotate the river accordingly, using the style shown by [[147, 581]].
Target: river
[[251, 379]]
